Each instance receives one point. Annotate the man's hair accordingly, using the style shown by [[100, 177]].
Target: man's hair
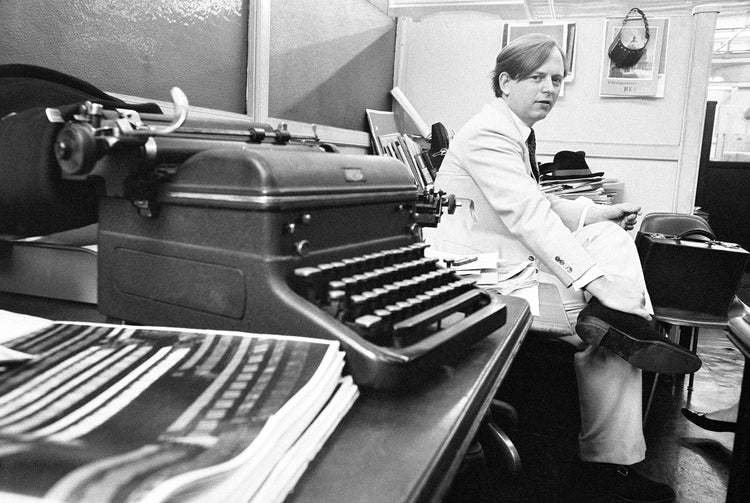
[[522, 56]]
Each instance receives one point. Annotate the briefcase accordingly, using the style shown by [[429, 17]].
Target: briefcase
[[688, 274]]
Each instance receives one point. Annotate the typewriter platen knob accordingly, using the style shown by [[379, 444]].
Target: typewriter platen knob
[[302, 247], [415, 230], [75, 149]]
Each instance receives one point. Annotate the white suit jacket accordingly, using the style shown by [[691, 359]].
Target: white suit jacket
[[488, 163]]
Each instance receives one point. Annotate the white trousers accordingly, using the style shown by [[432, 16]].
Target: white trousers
[[609, 388]]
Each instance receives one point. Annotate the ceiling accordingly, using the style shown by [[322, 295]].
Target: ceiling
[[541, 10], [561, 9]]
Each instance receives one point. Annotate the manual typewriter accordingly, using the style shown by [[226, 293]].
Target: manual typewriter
[[213, 224]]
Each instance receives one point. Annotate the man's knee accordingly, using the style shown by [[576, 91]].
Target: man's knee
[[606, 227], [604, 233]]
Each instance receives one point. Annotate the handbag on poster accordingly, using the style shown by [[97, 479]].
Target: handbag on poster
[[700, 275], [439, 143], [631, 40]]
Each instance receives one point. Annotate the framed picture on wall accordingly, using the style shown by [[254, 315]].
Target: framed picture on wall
[[563, 33], [646, 77]]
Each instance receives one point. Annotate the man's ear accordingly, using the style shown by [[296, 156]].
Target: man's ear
[[503, 81]]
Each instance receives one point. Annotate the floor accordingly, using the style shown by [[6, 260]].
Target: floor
[[694, 461]]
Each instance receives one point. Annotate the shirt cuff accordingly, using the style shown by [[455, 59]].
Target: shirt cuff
[[589, 276], [588, 203]]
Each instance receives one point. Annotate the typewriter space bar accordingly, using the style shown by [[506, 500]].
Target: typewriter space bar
[[426, 318]]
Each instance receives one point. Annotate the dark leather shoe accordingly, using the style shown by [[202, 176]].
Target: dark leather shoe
[[700, 419], [634, 339], [618, 483]]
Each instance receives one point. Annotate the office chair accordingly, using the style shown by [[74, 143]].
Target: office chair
[[688, 322]]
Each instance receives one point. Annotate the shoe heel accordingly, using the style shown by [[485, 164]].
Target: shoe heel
[[591, 330]]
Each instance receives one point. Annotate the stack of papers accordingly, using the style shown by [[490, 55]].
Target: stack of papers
[[520, 279], [597, 188], [123, 413], [515, 275]]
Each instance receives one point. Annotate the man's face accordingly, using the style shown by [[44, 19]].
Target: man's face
[[532, 98]]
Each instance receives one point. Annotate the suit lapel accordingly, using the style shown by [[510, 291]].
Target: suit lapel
[[513, 129]]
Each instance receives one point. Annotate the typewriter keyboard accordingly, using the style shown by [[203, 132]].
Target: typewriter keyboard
[[393, 297]]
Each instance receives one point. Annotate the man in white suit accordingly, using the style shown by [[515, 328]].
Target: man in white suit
[[581, 247]]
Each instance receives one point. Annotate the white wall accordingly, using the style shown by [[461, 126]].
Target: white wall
[[445, 65]]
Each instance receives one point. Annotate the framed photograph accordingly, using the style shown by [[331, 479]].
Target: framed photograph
[[646, 77], [563, 33]]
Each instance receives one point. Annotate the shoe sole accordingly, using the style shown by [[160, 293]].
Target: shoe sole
[[592, 496], [607, 497], [652, 356], [716, 425]]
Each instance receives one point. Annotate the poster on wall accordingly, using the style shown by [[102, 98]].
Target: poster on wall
[[563, 33], [646, 77]]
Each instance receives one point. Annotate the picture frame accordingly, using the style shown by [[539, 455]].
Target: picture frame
[[645, 78]]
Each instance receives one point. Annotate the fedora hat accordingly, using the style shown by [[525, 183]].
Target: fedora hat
[[567, 164]]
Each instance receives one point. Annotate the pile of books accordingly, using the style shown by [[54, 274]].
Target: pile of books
[[102, 413], [406, 150]]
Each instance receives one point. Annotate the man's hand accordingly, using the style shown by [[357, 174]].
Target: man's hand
[[621, 295], [623, 214]]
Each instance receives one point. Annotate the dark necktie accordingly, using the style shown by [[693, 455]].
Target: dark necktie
[[531, 143]]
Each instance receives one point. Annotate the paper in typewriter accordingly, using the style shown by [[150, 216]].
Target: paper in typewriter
[[119, 413]]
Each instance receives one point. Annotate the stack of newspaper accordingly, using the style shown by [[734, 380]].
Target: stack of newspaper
[[101, 413]]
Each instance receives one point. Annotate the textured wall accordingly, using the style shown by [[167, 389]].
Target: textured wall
[[136, 47]]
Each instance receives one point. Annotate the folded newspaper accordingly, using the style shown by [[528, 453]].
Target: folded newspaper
[[120, 413]]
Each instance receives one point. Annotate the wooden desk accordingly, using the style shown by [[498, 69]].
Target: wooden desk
[[739, 482], [389, 448]]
